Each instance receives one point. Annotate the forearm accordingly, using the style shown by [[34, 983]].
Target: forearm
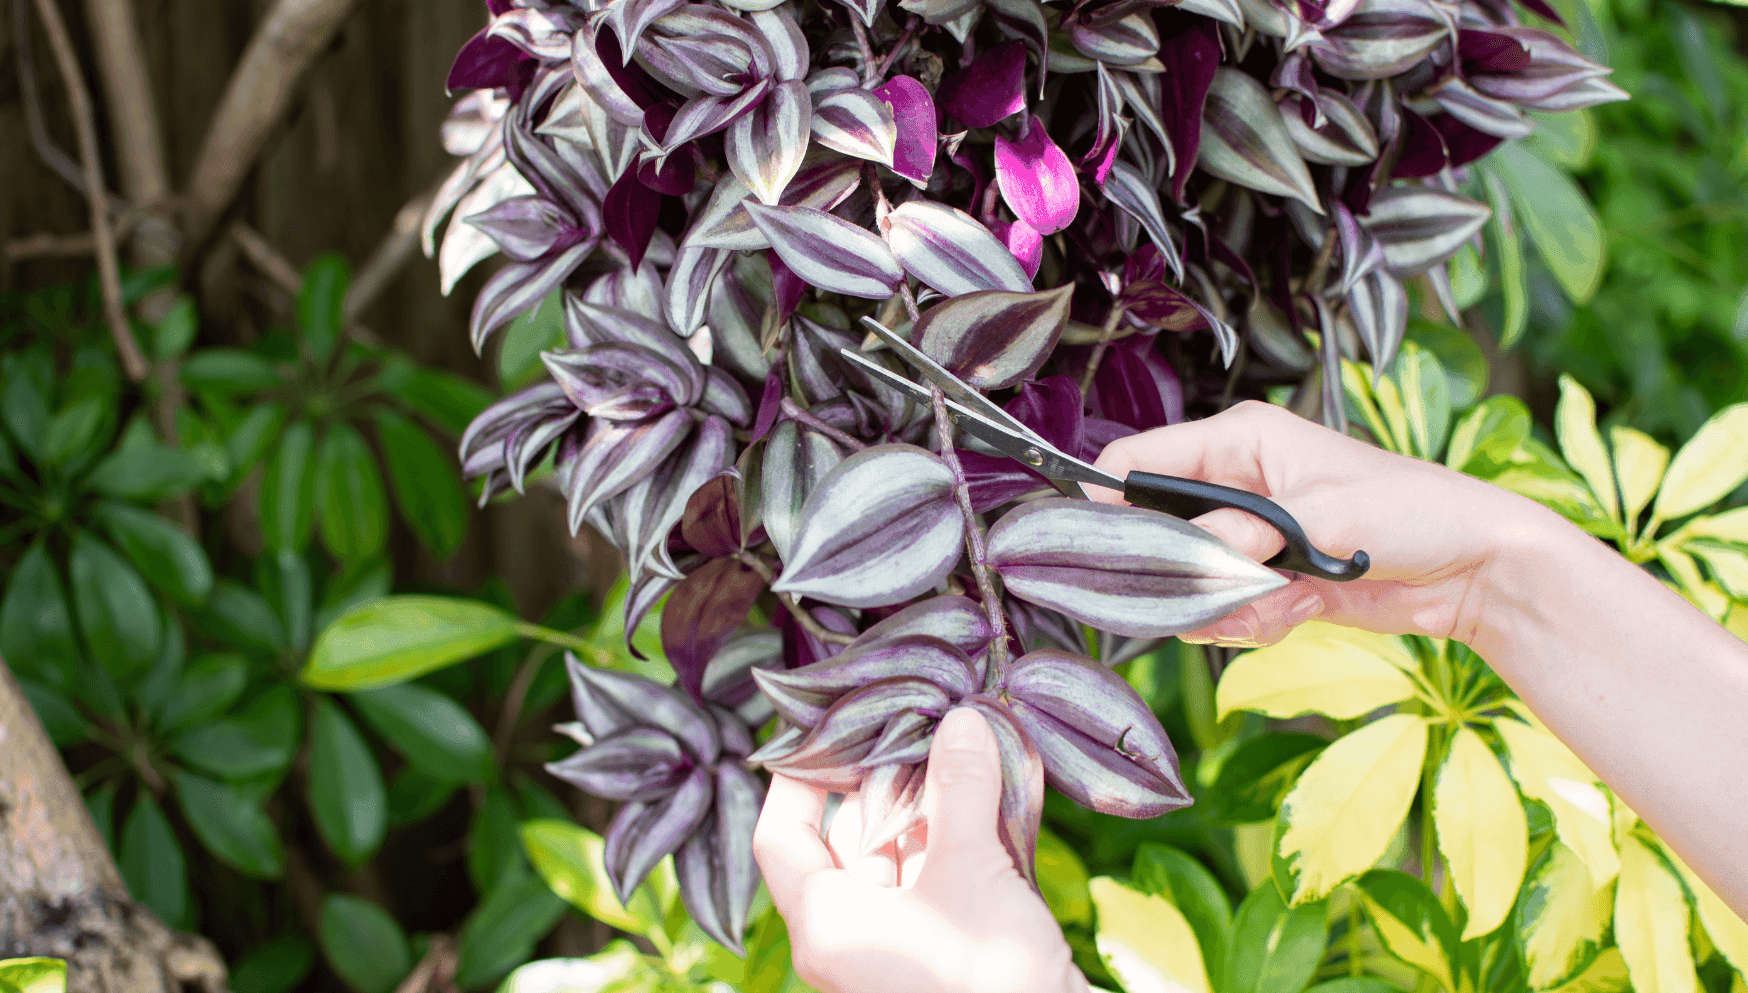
[[1647, 690]]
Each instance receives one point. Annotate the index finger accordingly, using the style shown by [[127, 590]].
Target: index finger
[[786, 841]]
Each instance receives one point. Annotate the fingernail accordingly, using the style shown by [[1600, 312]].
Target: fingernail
[[1235, 630], [1196, 639], [1305, 608]]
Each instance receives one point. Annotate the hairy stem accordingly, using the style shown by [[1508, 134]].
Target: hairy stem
[[974, 544], [1098, 352], [793, 411], [808, 622], [96, 193]]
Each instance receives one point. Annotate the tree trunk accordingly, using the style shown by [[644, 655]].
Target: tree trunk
[[60, 893]]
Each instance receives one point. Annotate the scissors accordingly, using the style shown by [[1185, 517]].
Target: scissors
[[983, 419]]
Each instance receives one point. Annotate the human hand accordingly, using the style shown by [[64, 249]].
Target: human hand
[[941, 910], [1435, 536]]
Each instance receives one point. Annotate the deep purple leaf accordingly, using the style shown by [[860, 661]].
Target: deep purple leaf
[[1190, 59], [629, 214], [702, 612], [990, 89], [712, 522], [913, 113]]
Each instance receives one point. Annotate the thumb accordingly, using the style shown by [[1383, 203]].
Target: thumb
[[963, 789]]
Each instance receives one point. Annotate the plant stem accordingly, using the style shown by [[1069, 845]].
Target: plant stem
[[1098, 352], [1320, 264], [808, 622], [1355, 947], [870, 72], [897, 48], [974, 545], [793, 411]]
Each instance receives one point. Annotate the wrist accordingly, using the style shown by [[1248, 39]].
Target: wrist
[[1534, 559]]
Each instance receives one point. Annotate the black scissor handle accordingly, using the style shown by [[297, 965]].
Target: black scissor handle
[[1189, 498]]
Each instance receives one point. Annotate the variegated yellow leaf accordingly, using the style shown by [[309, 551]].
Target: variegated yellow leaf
[[1728, 930], [1712, 463], [1253, 846], [1145, 941], [1561, 920], [1608, 974], [1728, 564], [1639, 462], [1650, 923], [1623, 820], [33, 975], [1318, 668], [1389, 400], [1481, 831], [1731, 525], [1547, 771], [1581, 443], [1349, 802], [1707, 596]]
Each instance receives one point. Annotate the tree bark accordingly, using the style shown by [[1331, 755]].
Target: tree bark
[[61, 895]]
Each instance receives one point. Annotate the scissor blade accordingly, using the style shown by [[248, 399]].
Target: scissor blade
[[953, 386], [1056, 465]]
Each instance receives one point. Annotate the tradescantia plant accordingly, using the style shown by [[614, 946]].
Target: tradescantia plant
[[1054, 201]]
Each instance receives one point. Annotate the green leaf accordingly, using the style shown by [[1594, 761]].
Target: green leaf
[[238, 616], [35, 975], [1565, 139], [500, 934], [1483, 441], [1426, 398], [252, 436], [1558, 218], [363, 944], [176, 330], [142, 469], [231, 826], [286, 583], [288, 491], [59, 717], [531, 333], [1504, 239], [493, 844], [1256, 777], [350, 503], [1145, 942], [74, 430], [1355, 984], [1062, 880], [346, 792], [36, 628], [117, 614], [1459, 358], [1193, 890], [170, 560], [355, 585], [445, 400], [414, 796], [206, 688], [427, 486], [227, 371], [259, 742], [101, 805], [1411, 923], [570, 859], [618, 968], [1275, 948], [276, 967], [435, 734], [27, 386], [767, 967], [399, 638], [321, 304], [151, 863]]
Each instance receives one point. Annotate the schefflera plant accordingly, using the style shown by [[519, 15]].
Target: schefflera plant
[[1065, 204]]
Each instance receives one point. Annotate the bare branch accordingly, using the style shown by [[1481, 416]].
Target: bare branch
[[273, 264], [46, 149], [49, 246], [96, 193], [133, 115], [257, 97], [391, 254]]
